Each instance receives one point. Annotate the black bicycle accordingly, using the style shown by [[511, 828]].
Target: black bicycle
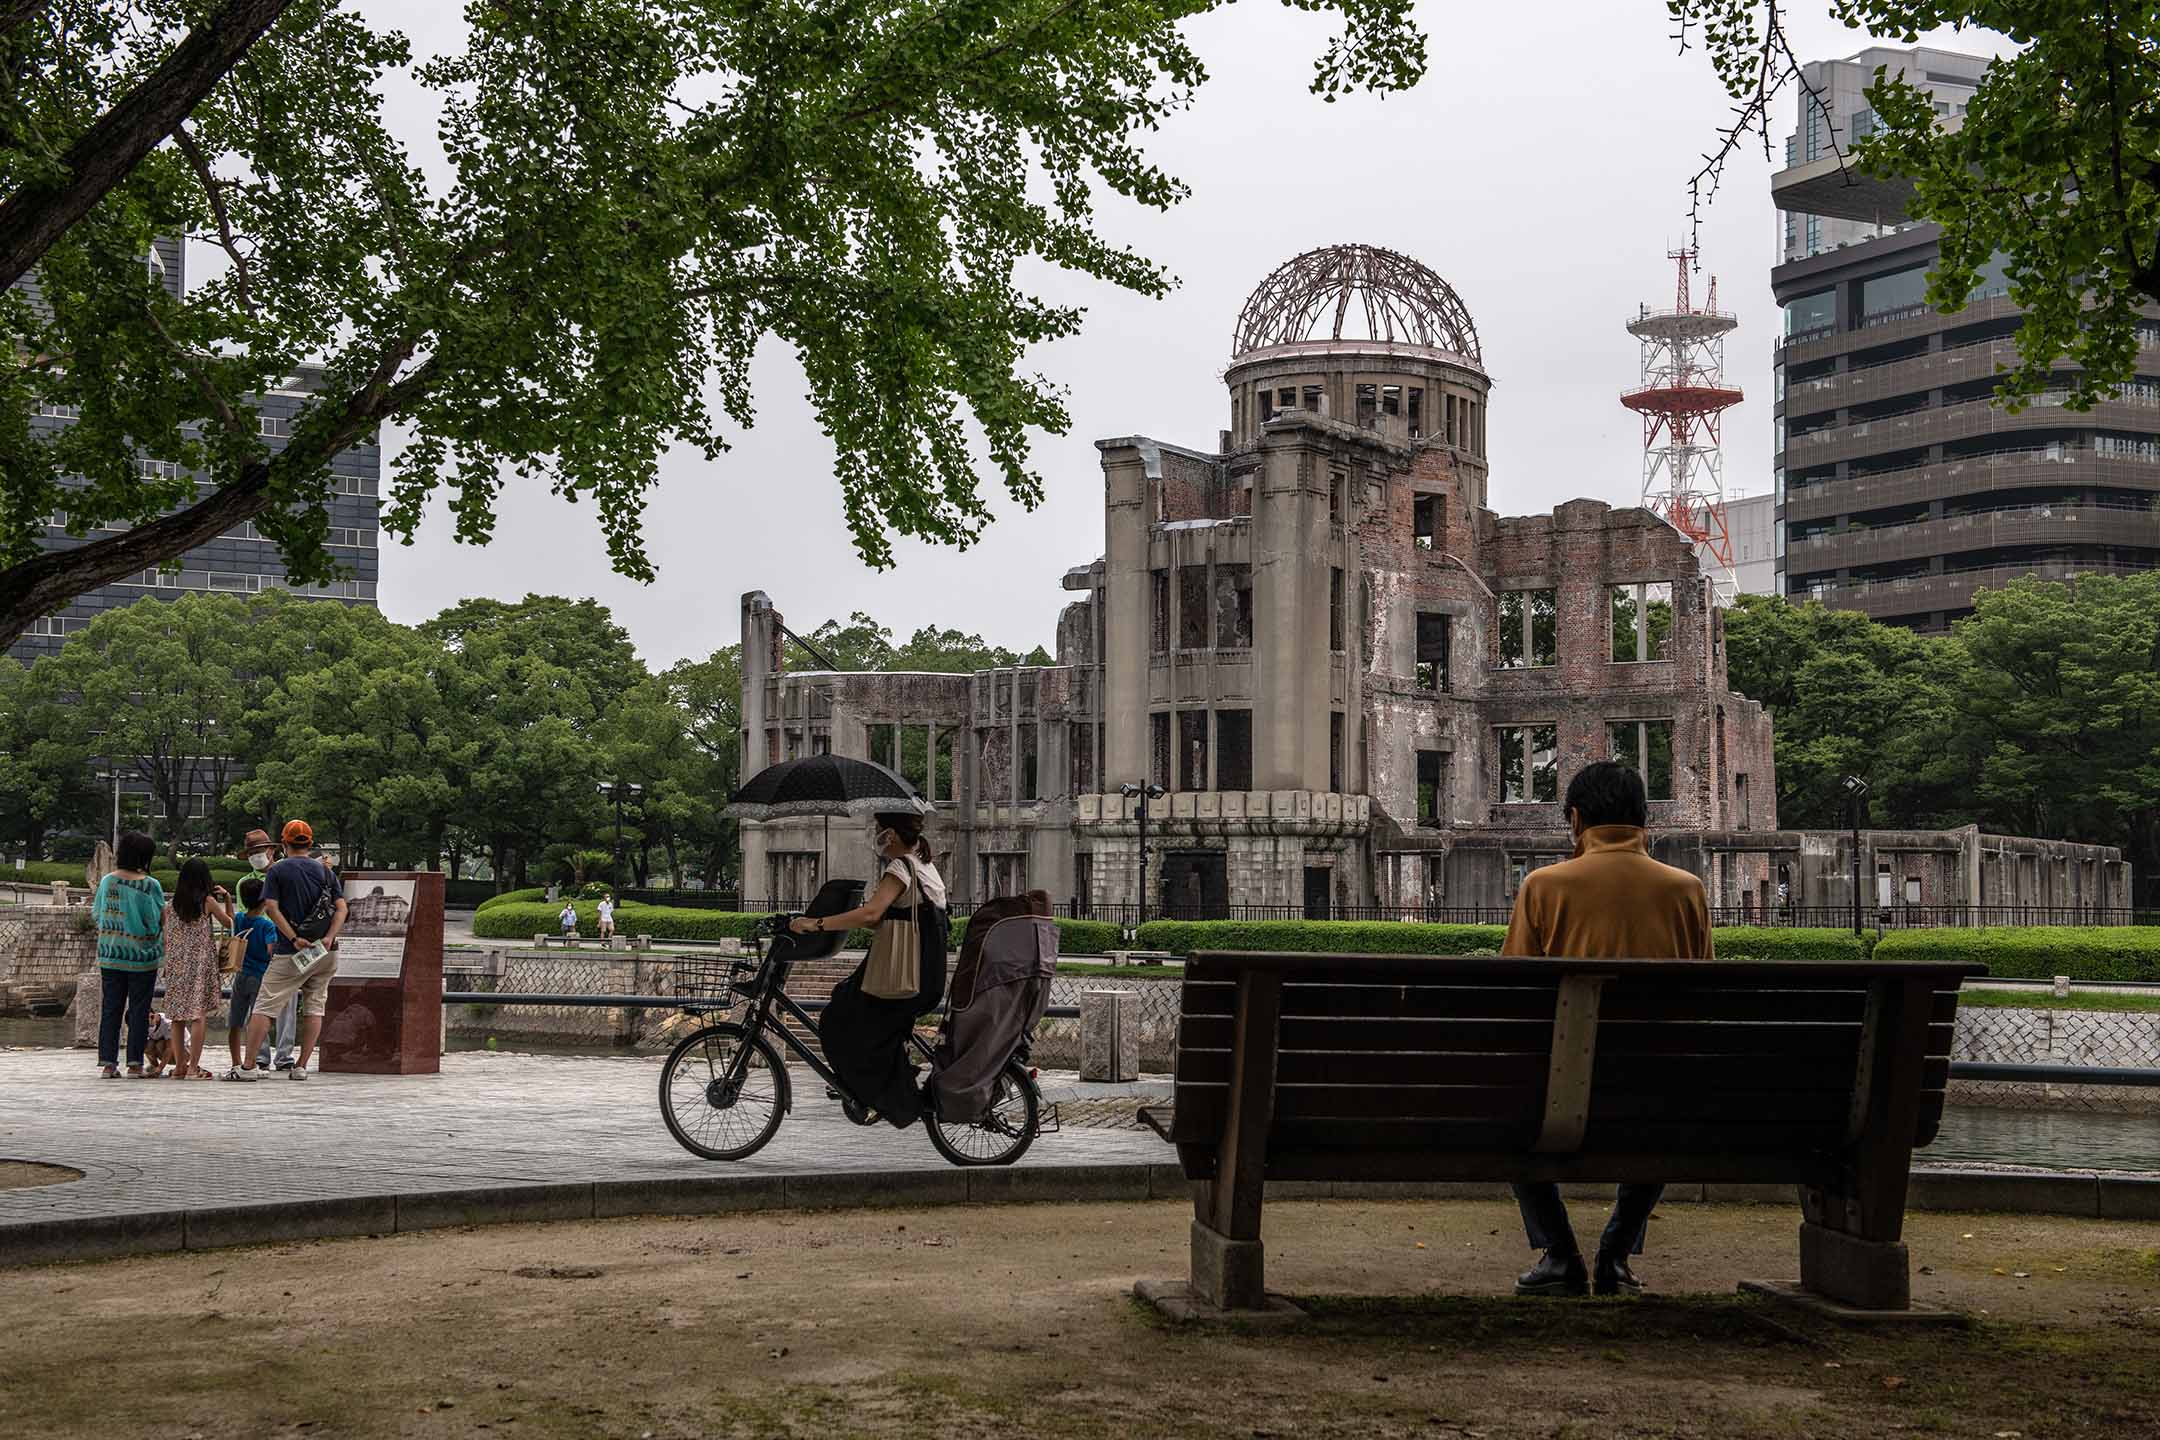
[[725, 1088]]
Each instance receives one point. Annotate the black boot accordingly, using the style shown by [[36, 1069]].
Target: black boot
[[1557, 1274], [1612, 1276]]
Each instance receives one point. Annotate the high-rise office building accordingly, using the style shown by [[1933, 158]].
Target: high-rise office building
[[1834, 112], [1901, 488], [1751, 522], [240, 561]]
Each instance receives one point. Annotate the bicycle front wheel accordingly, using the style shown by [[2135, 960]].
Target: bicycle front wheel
[[1002, 1133], [710, 1110]]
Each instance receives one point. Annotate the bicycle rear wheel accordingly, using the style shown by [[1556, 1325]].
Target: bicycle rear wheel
[[707, 1113], [1002, 1133]]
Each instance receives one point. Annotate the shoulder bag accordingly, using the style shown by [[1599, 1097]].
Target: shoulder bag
[[894, 969]]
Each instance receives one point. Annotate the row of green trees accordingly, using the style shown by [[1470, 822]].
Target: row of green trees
[[2038, 715], [498, 731]]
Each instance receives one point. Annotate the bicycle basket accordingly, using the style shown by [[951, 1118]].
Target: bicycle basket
[[708, 982]]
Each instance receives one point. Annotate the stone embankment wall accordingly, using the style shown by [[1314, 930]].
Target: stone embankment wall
[[2057, 1037], [43, 950]]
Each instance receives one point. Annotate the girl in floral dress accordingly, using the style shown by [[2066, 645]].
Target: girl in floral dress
[[191, 966]]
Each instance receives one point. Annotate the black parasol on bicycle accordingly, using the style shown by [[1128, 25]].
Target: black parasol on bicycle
[[824, 786]]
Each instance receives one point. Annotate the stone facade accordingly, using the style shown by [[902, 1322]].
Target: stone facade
[[1358, 686]]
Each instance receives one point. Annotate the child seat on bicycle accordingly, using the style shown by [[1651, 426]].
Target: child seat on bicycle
[[999, 991]]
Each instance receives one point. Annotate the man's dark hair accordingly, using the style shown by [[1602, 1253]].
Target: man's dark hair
[[135, 851], [1609, 793]]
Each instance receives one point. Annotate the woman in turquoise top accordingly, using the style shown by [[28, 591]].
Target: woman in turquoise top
[[130, 910]]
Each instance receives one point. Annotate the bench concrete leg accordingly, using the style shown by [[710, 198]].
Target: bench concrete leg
[[1866, 1274], [1229, 1274]]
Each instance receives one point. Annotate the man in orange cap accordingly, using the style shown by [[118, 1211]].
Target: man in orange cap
[[259, 850], [303, 899]]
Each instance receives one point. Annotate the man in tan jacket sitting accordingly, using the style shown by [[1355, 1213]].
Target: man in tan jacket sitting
[[1612, 901]]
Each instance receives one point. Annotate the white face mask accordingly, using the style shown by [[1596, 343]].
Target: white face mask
[[259, 859]]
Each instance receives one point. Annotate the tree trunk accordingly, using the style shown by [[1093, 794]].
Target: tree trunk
[[36, 216], [49, 582]]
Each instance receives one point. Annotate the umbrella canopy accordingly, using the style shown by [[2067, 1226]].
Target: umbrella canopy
[[827, 785]]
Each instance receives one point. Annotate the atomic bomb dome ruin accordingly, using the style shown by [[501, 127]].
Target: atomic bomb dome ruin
[[1361, 689]]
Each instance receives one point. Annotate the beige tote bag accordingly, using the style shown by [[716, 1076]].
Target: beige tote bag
[[894, 969]]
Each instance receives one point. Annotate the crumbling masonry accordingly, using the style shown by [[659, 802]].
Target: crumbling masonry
[[1361, 689]]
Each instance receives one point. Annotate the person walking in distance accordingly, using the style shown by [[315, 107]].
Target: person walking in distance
[[303, 900], [604, 913], [1611, 901]]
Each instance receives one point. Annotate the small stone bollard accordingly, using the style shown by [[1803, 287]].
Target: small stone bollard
[[60, 893], [2062, 987], [1109, 1035], [89, 1000]]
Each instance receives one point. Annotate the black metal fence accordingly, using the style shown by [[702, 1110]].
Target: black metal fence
[[1826, 917]]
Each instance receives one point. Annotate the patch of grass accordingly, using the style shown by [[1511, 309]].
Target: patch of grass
[[2047, 1000]]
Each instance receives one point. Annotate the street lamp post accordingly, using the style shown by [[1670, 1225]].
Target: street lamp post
[[1856, 795], [614, 789], [114, 776], [1144, 794]]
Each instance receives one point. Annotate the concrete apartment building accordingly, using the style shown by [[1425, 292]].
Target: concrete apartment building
[[1901, 488], [1361, 689]]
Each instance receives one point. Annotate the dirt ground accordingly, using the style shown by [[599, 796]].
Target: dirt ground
[[22, 1174], [1018, 1321]]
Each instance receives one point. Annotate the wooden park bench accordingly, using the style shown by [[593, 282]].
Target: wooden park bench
[[1824, 1075]]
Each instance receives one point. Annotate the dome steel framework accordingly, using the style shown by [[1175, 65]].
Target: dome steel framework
[[1314, 297]]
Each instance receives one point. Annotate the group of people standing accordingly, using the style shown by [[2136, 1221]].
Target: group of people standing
[[284, 922]]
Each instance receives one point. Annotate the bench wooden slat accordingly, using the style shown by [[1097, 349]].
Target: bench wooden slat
[[1348, 1067]]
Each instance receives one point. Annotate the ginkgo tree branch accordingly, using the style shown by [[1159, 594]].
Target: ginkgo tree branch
[[36, 215]]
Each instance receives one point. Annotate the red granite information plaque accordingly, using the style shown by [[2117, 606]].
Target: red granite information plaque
[[385, 1015]]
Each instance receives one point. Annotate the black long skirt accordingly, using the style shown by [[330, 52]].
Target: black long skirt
[[865, 1039]]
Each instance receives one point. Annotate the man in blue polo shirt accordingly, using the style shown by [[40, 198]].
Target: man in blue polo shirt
[[302, 897]]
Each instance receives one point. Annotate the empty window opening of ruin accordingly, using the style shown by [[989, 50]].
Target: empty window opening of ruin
[[1192, 750], [1335, 608], [1432, 786], [1029, 781], [1529, 629], [1159, 750], [1529, 764], [1645, 746], [1433, 640], [1081, 737], [1233, 749], [1003, 875], [1159, 611], [1428, 518], [1642, 617], [1336, 758], [1192, 607], [1233, 607]]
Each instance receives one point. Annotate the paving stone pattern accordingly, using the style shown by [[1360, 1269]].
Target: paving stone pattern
[[486, 1120]]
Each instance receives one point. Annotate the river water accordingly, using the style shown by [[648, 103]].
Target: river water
[[1971, 1134]]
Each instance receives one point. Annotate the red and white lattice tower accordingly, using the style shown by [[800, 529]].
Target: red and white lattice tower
[[1682, 395]]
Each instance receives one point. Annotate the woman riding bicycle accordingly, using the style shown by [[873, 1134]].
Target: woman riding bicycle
[[865, 1037]]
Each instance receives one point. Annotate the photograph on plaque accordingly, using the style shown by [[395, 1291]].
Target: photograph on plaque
[[372, 944]]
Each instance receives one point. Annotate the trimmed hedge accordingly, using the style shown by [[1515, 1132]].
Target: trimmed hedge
[[1395, 937], [512, 897], [44, 872], [2040, 952], [1337, 937]]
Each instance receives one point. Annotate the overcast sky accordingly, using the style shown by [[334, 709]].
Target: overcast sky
[[1540, 168]]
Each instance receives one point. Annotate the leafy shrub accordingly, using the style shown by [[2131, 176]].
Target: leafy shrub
[[2096, 952], [594, 889], [1395, 937]]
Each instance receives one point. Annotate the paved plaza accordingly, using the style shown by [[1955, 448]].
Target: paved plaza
[[487, 1121]]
